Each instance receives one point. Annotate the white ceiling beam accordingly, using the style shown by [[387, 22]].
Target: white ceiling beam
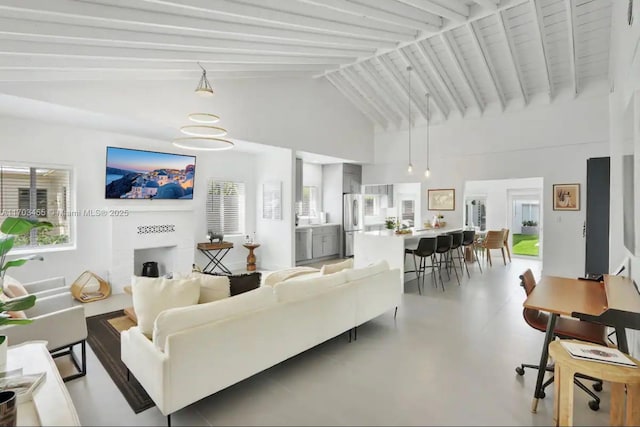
[[425, 81], [488, 65], [439, 74], [88, 14], [512, 56], [222, 9], [368, 69], [398, 77], [370, 94], [572, 45], [463, 70], [128, 75], [342, 86], [377, 14], [453, 11], [19, 48], [487, 4], [537, 13], [27, 30], [396, 7]]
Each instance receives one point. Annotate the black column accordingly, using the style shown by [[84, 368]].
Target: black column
[[597, 225]]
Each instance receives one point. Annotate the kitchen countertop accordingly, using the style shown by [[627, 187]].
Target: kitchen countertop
[[328, 224]]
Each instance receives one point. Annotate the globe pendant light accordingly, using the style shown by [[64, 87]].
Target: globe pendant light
[[410, 167], [427, 173]]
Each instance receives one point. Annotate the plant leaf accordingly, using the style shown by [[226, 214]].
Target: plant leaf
[[6, 244], [21, 261], [17, 226], [17, 304], [12, 321]]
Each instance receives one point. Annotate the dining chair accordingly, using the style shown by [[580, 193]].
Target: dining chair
[[494, 240], [469, 243], [506, 242]]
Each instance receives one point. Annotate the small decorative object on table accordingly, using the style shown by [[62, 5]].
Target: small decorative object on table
[[214, 236], [90, 287], [437, 221], [251, 258], [390, 222]]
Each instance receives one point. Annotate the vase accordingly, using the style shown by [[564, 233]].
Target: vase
[[3, 352], [435, 222], [8, 409]]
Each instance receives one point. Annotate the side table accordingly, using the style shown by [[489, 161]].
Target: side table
[[251, 258], [215, 252]]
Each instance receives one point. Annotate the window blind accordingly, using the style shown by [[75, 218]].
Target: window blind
[[226, 207], [24, 202], [309, 201]]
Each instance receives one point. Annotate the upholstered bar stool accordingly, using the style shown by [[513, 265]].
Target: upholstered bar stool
[[566, 367]]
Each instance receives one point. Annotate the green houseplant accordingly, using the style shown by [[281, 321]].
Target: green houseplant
[[11, 228]]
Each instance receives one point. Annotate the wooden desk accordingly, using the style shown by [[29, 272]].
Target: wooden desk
[[215, 252], [614, 303], [51, 404]]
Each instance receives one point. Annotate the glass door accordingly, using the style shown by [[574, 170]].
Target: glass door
[[525, 226]]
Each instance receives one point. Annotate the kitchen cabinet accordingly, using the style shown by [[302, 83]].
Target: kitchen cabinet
[[351, 178], [325, 241], [304, 245]]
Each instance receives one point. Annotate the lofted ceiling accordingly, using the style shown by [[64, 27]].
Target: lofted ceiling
[[469, 55]]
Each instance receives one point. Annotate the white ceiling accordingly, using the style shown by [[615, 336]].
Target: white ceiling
[[468, 54]]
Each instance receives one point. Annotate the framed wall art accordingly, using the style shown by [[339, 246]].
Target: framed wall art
[[442, 199], [566, 197]]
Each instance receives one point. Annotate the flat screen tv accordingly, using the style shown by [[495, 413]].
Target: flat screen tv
[[139, 174]]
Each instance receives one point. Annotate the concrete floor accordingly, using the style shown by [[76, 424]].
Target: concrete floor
[[448, 359]]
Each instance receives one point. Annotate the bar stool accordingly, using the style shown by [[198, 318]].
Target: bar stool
[[443, 248], [468, 241], [426, 250], [619, 376], [456, 251]]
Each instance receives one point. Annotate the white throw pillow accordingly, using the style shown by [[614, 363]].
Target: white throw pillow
[[13, 288], [370, 270], [212, 288], [338, 266], [151, 296], [299, 288]]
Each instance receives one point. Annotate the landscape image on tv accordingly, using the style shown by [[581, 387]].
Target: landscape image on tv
[[138, 174]]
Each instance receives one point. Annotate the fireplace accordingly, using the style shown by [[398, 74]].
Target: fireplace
[[164, 236]]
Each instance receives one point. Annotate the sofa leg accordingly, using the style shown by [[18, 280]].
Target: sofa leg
[[128, 375], [169, 420], [349, 335], [355, 333], [395, 313]]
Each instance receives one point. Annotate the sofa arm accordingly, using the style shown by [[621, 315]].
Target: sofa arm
[[60, 328], [45, 285], [50, 304], [148, 364]]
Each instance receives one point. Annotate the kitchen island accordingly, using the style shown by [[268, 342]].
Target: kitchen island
[[372, 246]]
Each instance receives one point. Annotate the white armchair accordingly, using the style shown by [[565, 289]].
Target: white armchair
[[47, 287], [60, 322]]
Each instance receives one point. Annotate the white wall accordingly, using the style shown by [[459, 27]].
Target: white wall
[[276, 237], [84, 151], [304, 114], [549, 141]]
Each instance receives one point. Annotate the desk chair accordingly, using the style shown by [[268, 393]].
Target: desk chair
[[426, 250], [565, 329], [494, 240]]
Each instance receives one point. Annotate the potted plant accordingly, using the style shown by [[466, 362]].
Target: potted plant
[[390, 223]]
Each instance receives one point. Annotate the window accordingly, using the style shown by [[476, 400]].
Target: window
[[309, 202], [371, 205], [226, 207], [18, 185], [530, 212], [407, 214]]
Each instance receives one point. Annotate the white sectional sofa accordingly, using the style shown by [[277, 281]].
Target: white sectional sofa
[[201, 349]]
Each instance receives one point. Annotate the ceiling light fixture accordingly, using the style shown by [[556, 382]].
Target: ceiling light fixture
[[427, 173], [204, 87], [203, 131], [204, 118], [203, 144], [410, 168]]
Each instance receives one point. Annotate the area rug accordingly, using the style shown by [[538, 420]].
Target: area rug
[[104, 340]]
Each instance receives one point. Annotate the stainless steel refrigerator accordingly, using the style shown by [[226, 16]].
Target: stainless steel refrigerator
[[352, 219]]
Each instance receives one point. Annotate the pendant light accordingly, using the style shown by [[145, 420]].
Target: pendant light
[[427, 173], [410, 167], [204, 87]]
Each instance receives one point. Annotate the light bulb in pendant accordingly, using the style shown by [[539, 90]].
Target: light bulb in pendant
[[410, 168], [427, 173]]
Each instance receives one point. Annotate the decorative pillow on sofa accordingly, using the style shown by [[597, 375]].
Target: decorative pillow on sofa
[[13, 288], [338, 266], [240, 283], [152, 295], [370, 270], [212, 288]]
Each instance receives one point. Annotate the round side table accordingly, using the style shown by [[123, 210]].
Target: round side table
[[251, 258]]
